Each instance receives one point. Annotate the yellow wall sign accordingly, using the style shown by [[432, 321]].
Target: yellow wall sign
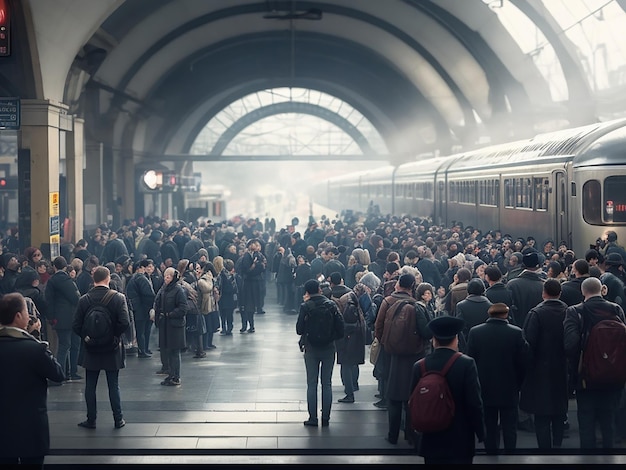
[[54, 203]]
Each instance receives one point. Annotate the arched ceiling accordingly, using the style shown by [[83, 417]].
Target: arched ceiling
[[148, 74]]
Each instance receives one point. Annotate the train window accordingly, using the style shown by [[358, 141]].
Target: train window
[[615, 199], [542, 189], [488, 192], [509, 193], [592, 202]]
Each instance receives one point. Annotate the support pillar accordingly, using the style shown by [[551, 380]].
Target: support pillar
[[75, 146], [42, 123]]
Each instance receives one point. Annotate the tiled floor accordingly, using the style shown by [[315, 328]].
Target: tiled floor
[[247, 397]]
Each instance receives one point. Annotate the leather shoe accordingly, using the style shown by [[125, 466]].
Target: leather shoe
[[347, 399], [120, 423], [391, 441], [382, 404], [144, 355], [88, 424], [325, 423], [310, 422]]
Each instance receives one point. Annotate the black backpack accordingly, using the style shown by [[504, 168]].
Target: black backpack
[[97, 331], [320, 323]]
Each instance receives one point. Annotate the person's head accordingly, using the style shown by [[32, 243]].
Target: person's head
[[551, 289], [59, 263], [424, 292], [531, 260], [492, 274], [498, 310], [371, 281], [475, 287], [209, 268], [464, 275], [335, 278], [554, 269], [101, 276], [13, 311], [229, 265], [170, 275], [406, 282], [591, 287], [445, 330], [580, 268], [312, 287]]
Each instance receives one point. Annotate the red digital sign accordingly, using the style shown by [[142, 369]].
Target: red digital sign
[[5, 23]]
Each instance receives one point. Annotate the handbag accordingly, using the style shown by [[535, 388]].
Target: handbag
[[374, 351]]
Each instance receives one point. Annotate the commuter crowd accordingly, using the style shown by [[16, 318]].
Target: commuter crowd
[[520, 312]]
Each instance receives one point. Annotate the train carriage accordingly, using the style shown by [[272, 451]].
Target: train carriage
[[568, 185]]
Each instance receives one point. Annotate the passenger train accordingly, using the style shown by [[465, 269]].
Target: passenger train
[[568, 185]]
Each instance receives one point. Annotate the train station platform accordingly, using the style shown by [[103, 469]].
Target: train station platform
[[243, 405]]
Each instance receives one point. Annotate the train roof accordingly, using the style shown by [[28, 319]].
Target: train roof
[[609, 149]]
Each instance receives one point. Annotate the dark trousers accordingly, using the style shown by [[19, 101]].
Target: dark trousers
[[349, 377], [397, 412], [226, 315], [91, 382], [144, 327], [597, 406], [319, 363], [508, 424], [69, 345], [549, 430]]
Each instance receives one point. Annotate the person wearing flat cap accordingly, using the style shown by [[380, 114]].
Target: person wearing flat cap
[[526, 289], [455, 445], [501, 355], [614, 264]]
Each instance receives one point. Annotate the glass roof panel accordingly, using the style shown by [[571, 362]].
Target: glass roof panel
[[289, 133], [532, 41], [597, 29]]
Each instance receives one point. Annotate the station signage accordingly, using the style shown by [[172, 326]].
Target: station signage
[[10, 113]]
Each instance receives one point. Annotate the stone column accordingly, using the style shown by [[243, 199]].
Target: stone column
[[75, 149], [41, 124]]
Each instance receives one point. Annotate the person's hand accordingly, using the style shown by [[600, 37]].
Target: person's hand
[[36, 326], [152, 314]]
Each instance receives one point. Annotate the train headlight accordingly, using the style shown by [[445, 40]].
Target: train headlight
[[151, 179]]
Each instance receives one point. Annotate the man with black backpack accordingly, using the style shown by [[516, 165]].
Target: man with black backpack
[[100, 319], [319, 324], [595, 338]]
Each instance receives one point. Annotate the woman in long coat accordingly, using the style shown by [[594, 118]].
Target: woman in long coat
[[170, 307], [351, 348], [544, 390], [209, 307]]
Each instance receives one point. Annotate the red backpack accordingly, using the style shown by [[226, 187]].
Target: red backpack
[[431, 406], [603, 360]]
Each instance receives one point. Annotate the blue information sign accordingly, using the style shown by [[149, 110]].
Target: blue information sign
[[10, 113]]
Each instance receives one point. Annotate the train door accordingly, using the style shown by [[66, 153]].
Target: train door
[[560, 207]]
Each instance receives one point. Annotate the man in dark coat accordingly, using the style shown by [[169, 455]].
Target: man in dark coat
[[400, 365], [501, 355], [571, 293], [62, 298], [141, 296], [319, 359], [110, 359], [526, 289], [114, 248], [26, 364], [253, 265], [497, 293], [455, 445], [544, 391], [170, 307], [473, 309], [598, 405]]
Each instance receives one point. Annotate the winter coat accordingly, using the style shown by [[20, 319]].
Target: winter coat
[[526, 291], [228, 291], [544, 391], [351, 348], [206, 285], [26, 366], [501, 355], [473, 311], [107, 360], [62, 298], [141, 295], [459, 440], [498, 293], [170, 306]]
